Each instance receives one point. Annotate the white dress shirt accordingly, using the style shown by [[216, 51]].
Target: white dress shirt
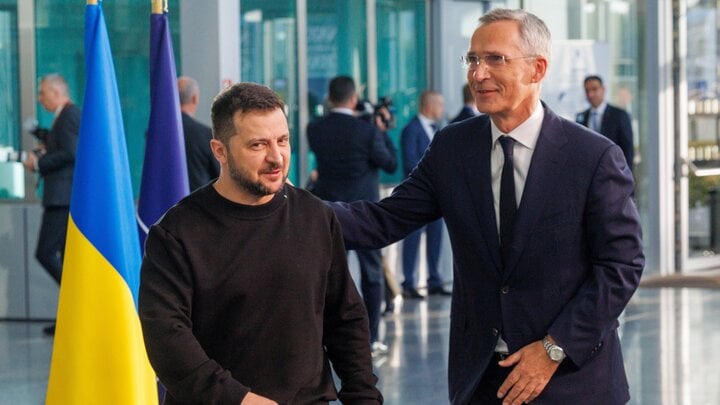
[[427, 126], [596, 116]]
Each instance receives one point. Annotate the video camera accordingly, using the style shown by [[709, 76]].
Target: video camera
[[41, 134], [368, 111]]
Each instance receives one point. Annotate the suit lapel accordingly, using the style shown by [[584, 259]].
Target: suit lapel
[[545, 168], [606, 118], [476, 164]]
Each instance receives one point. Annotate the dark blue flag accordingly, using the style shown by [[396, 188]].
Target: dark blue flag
[[164, 177]]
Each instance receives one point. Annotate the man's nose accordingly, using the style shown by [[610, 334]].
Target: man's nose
[[480, 72], [274, 153]]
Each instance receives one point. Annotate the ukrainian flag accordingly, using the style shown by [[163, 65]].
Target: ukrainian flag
[[99, 356]]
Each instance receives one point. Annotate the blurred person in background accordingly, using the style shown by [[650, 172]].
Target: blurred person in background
[[415, 138], [201, 164], [54, 161]]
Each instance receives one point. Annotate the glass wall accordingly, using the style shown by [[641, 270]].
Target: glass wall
[[336, 33], [9, 79], [582, 30], [703, 134], [402, 57], [337, 45], [59, 36], [598, 37]]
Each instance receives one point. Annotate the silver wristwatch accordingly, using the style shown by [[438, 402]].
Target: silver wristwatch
[[555, 352]]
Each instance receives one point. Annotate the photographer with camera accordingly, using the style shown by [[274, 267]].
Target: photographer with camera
[[54, 160], [382, 114], [349, 152]]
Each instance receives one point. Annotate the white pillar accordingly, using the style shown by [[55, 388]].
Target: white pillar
[[210, 47]]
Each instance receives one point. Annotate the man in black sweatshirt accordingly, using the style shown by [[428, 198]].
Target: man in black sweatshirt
[[245, 294]]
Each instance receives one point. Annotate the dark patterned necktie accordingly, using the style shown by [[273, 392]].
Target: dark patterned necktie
[[508, 206]]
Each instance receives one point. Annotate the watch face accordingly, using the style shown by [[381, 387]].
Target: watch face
[[557, 354]]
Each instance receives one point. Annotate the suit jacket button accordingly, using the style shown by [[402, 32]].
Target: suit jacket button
[[495, 332], [505, 289]]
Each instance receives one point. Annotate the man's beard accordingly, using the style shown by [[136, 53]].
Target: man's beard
[[243, 181]]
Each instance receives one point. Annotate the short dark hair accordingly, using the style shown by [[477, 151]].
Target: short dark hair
[[591, 78], [243, 98], [341, 89]]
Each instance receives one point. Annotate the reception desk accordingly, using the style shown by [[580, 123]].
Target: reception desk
[[27, 292], [12, 180]]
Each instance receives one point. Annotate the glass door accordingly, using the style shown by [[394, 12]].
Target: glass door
[[697, 28]]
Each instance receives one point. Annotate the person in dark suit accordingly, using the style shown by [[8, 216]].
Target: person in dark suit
[[545, 233], [415, 138], [54, 160], [607, 119], [201, 164], [349, 152], [468, 110]]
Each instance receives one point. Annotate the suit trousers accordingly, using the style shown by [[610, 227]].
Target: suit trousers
[[51, 240], [433, 233], [372, 286]]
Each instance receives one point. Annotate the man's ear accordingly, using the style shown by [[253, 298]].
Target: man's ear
[[219, 150], [541, 65]]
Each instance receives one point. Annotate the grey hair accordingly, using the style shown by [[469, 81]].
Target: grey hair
[[57, 82], [188, 87], [534, 34]]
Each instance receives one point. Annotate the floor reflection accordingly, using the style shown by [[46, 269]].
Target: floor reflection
[[671, 344]]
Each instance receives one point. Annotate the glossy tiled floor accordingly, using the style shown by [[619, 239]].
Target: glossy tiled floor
[[671, 341]]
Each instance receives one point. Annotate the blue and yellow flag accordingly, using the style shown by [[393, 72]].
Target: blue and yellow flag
[[99, 355], [164, 176]]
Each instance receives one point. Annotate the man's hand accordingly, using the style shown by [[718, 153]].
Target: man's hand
[[532, 372], [254, 399], [382, 115], [30, 162]]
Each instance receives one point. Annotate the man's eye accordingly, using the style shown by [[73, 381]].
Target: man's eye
[[473, 59], [495, 59]]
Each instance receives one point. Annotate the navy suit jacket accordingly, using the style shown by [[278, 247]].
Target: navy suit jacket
[[349, 152], [615, 126], [201, 163], [414, 141], [57, 165], [576, 255]]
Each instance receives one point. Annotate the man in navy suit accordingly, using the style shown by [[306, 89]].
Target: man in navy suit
[[415, 138], [202, 166], [349, 152], [54, 160], [545, 234], [607, 119], [468, 109]]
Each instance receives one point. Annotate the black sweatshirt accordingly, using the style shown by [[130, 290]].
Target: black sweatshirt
[[237, 298]]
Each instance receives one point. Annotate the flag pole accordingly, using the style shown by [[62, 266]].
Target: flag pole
[[157, 6]]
